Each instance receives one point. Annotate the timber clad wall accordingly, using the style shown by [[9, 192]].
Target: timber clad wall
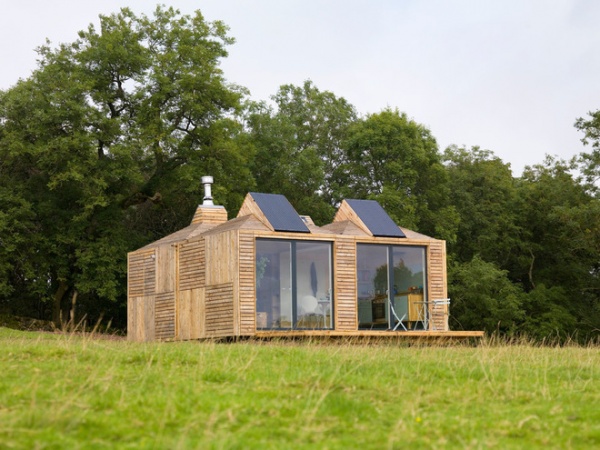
[[219, 310], [222, 254], [439, 317], [437, 284], [210, 214], [345, 284], [141, 290], [164, 327], [192, 265], [200, 281], [165, 269], [141, 273], [247, 288], [192, 280], [190, 314]]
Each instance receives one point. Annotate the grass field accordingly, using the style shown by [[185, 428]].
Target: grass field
[[69, 391]]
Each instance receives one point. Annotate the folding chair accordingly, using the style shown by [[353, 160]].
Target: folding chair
[[397, 318]]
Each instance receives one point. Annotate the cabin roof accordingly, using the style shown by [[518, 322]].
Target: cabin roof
[[249, 222], [186, 233], [345, 227], [273, 212], [414, 235]]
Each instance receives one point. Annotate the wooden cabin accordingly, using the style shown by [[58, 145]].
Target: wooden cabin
[[272, 272]]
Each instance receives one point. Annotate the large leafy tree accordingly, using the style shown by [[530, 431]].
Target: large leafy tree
[[108, 130], [538, 233], [484, 298], [590, 162], [484, 193], [395, 160], [589, 216], [561, 243], [299, 146]]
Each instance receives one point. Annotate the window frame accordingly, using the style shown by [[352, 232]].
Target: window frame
[[294, 283], [390, 247]]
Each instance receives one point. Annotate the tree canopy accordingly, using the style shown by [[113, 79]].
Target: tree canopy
[[108, 129], [102, 148]]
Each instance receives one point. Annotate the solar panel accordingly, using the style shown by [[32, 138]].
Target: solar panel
[[280, 213], [375, 218]]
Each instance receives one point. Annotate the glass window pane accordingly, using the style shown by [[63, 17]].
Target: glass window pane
[[314, 285], [372, 286], [382, 302], [273, 284], [409, 286]]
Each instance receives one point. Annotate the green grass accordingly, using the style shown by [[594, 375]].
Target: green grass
[[60, 391]]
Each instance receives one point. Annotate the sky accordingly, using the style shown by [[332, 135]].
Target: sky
[[510, 76]]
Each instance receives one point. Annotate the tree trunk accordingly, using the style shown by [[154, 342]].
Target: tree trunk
[[73, 305], [531, 269], [58, 296]]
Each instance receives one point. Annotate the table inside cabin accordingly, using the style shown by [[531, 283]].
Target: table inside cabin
[[408, 304]]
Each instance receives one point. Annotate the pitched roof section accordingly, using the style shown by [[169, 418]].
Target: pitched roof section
[[188, 232], [370, 216], [249, 222], [414, 235], [276, 210], [345, 227]]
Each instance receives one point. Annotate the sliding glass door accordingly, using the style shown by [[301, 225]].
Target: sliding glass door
[[391, 287], [294, 284], [372, 262], [273, 284]]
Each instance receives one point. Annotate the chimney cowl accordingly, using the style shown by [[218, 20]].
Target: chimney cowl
[[207, 181]]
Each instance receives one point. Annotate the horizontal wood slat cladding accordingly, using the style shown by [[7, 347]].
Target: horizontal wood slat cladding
[[141, 273], [439, 313], [192, 265], [164, 321], [219, 310], [247, 287], [437, 284], [345, 284], [200, 282], [210, 214]]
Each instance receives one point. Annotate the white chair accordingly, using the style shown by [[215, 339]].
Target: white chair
[[309, 312], [399, 319], [308, 305], [422, 315]]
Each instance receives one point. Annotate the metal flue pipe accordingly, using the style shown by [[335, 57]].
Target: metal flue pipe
[[207, 181]]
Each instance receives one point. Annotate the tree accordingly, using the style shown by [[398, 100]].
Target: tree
[[119, 123], [547, 314], [590, 162], [561, 244], [395, 160], [483, 298], [484, 194], [299, 146]]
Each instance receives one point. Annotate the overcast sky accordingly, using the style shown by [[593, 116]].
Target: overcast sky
[[510, 76]]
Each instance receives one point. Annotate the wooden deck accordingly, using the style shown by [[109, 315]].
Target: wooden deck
[[415, 336]]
